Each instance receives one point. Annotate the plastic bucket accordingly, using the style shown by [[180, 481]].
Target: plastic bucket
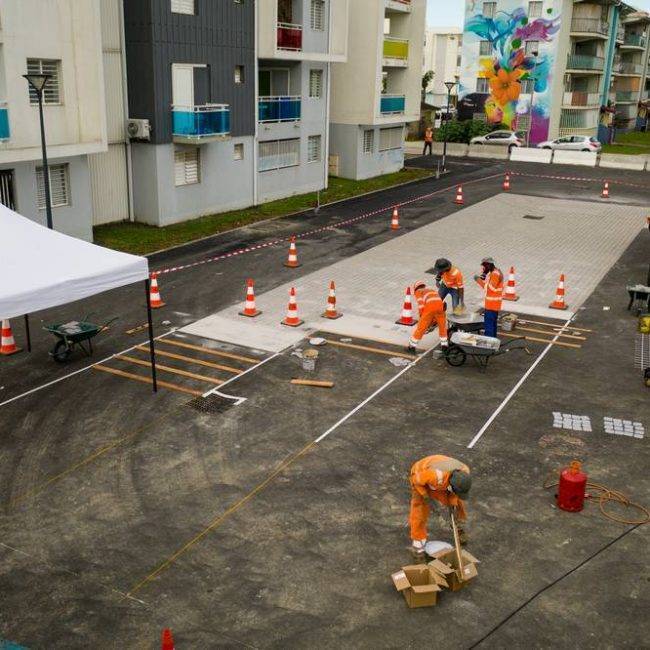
[[309, 358], [644, 323]]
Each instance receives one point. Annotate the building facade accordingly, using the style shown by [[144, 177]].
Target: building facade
[[442, 47], [378, 90]]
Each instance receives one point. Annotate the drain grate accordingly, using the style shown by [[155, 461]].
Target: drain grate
[[534, 217], [212, 404]]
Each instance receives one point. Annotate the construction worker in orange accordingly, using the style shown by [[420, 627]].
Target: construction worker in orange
[[444, 479], [449, 281], [431, 309], [428, 141], [491, 281]]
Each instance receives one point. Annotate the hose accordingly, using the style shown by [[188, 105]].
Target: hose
[[604, 496]]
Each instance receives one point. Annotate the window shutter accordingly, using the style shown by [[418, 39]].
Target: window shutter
[[277, 154], [187, 167], [369, 141], [314, 148], [316, 83], [183, 7], [52, 90], [317, 15], [59, 191], [390, 138]]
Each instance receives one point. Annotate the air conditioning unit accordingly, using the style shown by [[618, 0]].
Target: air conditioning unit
[[138, 129]]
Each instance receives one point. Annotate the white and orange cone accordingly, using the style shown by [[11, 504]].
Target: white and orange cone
[[459, 196], [407, 310], [506, 183], [511, 289], [330, 311], [167, 641], [559, 303], [292, 319], [7, 343], [292, 260], [605, 192], [394, 222], [249, 306], [154, 293]]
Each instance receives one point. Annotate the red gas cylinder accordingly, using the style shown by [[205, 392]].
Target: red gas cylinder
[[571, 491]]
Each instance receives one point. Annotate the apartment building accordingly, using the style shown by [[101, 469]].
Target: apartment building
[[442, 47], [554, 67], [61, 38], [378, 90]]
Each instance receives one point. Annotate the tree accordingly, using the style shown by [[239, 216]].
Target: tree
[[427, 78]]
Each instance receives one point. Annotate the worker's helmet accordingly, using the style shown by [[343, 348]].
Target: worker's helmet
[[460, 483], [442, 265], [418, 284], [488, 260]]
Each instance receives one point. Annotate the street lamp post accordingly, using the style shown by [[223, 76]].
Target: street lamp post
[[450, 85], [38, 83]]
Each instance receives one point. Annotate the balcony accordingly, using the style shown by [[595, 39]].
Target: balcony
[[592, 26], [194, 124], [279, 109], [635, 40], [396, 51], [631, 68], [585, 62], [4, 122], [398, 5], [578, 98], [289, 37], [576, 122], [392, 104], [626, 96], [620, 34]]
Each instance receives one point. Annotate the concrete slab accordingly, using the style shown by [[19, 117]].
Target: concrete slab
[[582, 158], [528, 154], [541, 238], [488, 151], [619, 161]]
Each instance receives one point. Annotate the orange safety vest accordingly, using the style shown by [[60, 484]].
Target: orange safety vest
[[492, 289], [428, 300], [428, 135], [453, 279]]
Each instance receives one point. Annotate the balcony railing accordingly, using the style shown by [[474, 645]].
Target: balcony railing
[[620, 34], [590, 26], [283, 108], [581, 98], [5, 133], [626, 96], [197, 122], [574, 119], [289, 37], [635, 40], [392, 104], [628, 67], [585, 62], [396, 48]]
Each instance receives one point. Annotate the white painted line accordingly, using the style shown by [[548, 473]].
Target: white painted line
[[217, 391], [517, 386]]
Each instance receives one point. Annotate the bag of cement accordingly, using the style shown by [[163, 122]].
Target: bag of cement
[[433, 547], [468, 339]]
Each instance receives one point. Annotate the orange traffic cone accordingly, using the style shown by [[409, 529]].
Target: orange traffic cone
[[167, 640], [154, 293], [407, 310], [249, 307], [459, 196], [559, 303], [605, 193], [330, 310], [506, 183], [394, 222], [7, 344], [511, 292], [292, 260], [292, 319]]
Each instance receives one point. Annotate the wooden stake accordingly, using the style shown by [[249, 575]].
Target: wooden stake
[[536, 331], [531, 338], [457, 544], [200, 348], [553, 325], [367, 349], [309, 382]]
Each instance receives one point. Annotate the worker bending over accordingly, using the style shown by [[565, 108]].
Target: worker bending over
[[444, 479], [491, 281], [449, 281], [431, 308]]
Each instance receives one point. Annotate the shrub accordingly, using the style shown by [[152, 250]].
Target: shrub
[[462, 131]]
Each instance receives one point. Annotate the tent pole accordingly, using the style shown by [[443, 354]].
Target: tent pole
[[29, 338], [152, 351]]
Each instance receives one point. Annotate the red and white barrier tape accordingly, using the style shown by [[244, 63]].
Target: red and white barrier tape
[[579, 178]]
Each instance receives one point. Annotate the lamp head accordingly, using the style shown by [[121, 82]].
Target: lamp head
[[37, 81]]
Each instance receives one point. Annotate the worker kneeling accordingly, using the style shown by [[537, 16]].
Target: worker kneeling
[[444, 479], [431, 308]]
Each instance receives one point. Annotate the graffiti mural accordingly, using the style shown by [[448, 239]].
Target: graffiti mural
[[507, 66]]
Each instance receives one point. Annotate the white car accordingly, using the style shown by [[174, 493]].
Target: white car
[[573, 143], [510, 139]]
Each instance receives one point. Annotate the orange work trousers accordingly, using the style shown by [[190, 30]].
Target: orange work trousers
[[426, 320]]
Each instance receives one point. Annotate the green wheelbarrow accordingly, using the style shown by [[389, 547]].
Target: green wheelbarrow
[[76, 333]]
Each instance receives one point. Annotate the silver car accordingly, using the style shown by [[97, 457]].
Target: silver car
[[510, 139], [573, 143]]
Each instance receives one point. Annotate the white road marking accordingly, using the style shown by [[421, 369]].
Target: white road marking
[[217, 391]]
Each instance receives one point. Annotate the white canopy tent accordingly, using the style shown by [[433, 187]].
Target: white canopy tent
[[43, 268]]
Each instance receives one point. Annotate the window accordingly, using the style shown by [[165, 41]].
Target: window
[[369, 141], [535, 10], [52, 90], [59, 189], [277, 154], [239, 74], [187, 166], [489, 9], [183, 7], [318, 15], [392, 138], [531, 47], [238, 151], [313, 148], [527, 86], [482, 85], [316, 83], [485, 49]]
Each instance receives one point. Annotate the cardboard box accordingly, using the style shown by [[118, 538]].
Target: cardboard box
[[446, 564], [419, 584]]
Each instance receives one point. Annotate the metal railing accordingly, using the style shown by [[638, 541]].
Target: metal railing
[[573, 120], [620, 34], [590, 132], [396, 48], [581, 98], [5, 132], [392, 104], [200, 121], [590, 26], [289, 37], [626, 95], [585, 62], [279, 108], [628, 67], [636, 40]]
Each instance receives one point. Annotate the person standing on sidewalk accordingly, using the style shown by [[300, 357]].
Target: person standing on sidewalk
[[428, 141], [491, 281]]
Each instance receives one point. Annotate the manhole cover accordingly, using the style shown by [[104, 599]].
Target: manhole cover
[[534, 217], [212, 404]]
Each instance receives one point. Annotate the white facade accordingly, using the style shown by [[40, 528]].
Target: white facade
[[442, 57]]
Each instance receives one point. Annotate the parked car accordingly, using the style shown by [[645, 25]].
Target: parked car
[[573, 143], [510, 139]]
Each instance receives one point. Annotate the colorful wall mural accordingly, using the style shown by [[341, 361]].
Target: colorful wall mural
[[495, 49]]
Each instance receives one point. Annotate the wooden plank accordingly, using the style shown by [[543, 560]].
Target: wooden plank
[[364, 348], [309, 382], [137, 329], [200, 362], [217, 353], [553, 325], [536, 331], [531, 338], [175, 371], [147, 380], [364, 338]]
